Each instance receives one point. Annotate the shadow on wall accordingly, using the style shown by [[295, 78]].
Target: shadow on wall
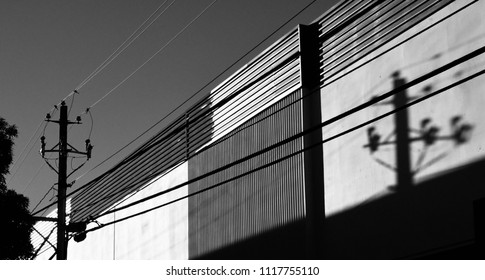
[[285, 242], [418, 220], [432, 220]]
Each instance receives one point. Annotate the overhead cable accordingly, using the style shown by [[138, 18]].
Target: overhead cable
[[154, 143], [137, 33], [22, 153], [155, 54], [409, 104], [84, 187], [334, 119], [200, 90]]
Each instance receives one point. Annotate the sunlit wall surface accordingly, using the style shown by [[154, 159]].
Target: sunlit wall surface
[[158, 234]]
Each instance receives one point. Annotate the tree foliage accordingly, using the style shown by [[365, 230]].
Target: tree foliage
[[15, 225]]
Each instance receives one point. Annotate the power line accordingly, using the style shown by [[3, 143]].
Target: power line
[[114, 55], [117, 52], [35, 176], [129, 76], [178, 127], [24, 149], [237, 61], [169, 157], [105, 63], [161, 49], [411, 103], [334, 119], [42, 199], [155, 54], [200, 90], [46, 239], [148, 178], [85, 187], [126, 43], [307, 148], [294, 16], [30, 150]]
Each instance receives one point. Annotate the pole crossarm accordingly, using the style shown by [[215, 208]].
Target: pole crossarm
[[58, 121], [68, 151]]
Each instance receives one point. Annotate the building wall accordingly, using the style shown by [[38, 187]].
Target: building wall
[[232, 212], [158, 234], [98, 245], [262, 82], [362, 184], [43, 234]]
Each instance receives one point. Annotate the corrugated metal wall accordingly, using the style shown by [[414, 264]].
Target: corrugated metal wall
[[262, 82], [252, 109], [163, 152], [265, 80], [258, 202]]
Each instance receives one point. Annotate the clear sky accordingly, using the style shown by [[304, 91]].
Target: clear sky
[[47, 48]]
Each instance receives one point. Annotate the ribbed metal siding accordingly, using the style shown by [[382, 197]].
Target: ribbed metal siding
[[163, 152], [360, 27], [255, 203], [262, 82]]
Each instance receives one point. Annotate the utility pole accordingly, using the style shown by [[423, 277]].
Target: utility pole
[[63, 149], [62, 185]]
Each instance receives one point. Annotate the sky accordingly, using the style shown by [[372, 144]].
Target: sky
[[47, 48]]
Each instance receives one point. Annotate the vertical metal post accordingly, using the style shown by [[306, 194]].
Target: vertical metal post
[[313, 158], [62, 185]]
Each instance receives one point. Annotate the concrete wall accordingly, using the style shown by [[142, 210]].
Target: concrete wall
[[159, 234], [355, 178]]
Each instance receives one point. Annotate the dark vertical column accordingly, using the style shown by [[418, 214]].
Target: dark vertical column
[[401, 118], [61, 199], [313, 158]]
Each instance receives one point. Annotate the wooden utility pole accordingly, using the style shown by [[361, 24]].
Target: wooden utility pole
[[62, 186], [63, 149]]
